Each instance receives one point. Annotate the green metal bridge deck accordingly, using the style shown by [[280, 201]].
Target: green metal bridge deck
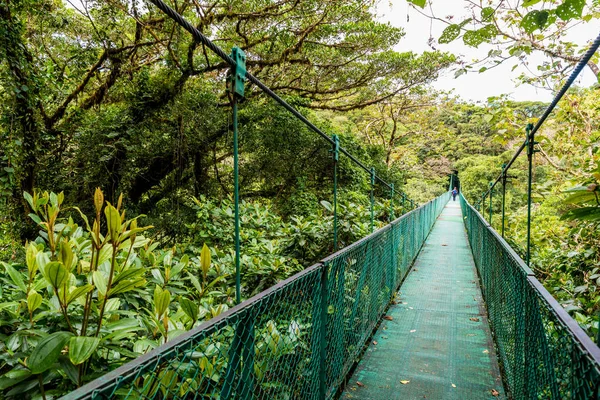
[[435, 343]]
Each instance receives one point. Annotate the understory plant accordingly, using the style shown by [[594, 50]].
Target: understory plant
[[89, 298]]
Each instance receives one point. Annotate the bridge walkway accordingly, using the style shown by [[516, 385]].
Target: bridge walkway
[[435, 343]]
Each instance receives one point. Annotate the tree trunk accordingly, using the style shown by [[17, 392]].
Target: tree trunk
[[24, 87]]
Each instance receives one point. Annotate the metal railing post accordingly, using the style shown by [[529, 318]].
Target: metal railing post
[[503, 196], [392, 203], [491, 195], [483, 205], [336, 157], [372, 199], [530, 151], [323, 333], [237, 78]]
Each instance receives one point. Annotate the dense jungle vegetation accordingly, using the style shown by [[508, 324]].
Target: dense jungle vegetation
[[116, 215]]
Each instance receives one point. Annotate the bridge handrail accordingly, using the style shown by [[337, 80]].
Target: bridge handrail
[[299, 338], [543, 352]]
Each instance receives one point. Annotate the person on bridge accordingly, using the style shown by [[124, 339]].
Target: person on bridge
[[454, 194]]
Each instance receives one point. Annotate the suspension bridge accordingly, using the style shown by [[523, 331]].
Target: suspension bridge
[[435, 305]]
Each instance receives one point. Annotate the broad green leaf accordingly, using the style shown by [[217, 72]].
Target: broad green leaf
[[168, 380], [583, 214], [100, 282], [129, 273], [473, 38], [47, 352], [162, 298], [16, 375], [113, 220], [56, 274], [487, 14], [69, 369], [112, 305], [35, 218], [158, 276], [81, 348], [189, 308], [29, 199], [98, 200], [53, 199], [77, 293], [419, 3], [183, 262], [529, 3], [168, 258], [34, 301], [16, 277], [535, 20], [65, 254], [570, 9], [205, 261], [42, 260], [582, 197], [30, 256], [327, 205], [196, 283], [126, 286], [449, 34]]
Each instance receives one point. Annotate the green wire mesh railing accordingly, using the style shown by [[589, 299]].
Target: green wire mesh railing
[[543, 352], [297, 340]]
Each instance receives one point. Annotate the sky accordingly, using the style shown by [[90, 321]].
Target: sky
[[472, 86]]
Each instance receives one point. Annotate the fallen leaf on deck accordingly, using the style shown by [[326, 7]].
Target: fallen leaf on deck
[[485, 351], [443, 244], [474, 319], [414, 330], [359, 383], [404, 382], [388, 317], [375, 342], [495, 393], [453, 385]]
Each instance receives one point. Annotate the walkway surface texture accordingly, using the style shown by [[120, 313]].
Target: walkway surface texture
[[437, 343]]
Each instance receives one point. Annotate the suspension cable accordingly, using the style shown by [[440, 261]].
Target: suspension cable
[[582, 63], [201, 38]]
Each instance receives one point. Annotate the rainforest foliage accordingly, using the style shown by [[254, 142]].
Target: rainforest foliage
[[116, 213]]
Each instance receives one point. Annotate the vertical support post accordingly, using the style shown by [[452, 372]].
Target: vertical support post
[[503, 197], [491, 195], [336, 157], [392, 203], [243, 342], [237, 77], [323, 333], [236, 200], [372, 199], [483, 205], [530, 150]]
